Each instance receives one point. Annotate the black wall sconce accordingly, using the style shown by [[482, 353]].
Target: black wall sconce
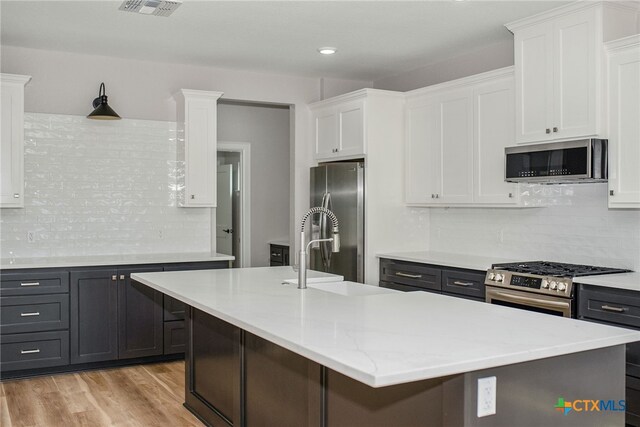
[[102, 111]]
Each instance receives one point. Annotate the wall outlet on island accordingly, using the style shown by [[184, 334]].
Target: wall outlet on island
[[487, 396], [31, 236]]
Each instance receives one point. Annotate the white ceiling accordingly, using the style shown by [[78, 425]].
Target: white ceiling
[[374, 39]]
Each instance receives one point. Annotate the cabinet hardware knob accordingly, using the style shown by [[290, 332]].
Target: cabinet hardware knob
[[36, 350], [437, 196], [122, 277], [613, 309], [411, 276], [114, 277], [511, 195], [33, 313], [548, 130], [611, 192], [30, 284], [433, 196], [459, 283], [193, 196], [555, 129], [16, 195]]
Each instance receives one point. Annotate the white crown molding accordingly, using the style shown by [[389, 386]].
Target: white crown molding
[[623, 43], [14, 78], [352, 96], [203, 94], [464, 81]]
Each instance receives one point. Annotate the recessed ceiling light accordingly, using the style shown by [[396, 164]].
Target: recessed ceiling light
[[327, 50]]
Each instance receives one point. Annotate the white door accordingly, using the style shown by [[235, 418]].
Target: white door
[[351, 119], [224, 211], [456, 147], [326, 133], [624, 129], [534, 83], [12, 148], [493, 124], [575, 75], [421, 152]]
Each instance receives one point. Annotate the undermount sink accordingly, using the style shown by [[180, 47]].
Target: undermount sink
[[349, 288]]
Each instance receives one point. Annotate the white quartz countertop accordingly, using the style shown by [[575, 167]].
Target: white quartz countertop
[[630, 281], [385, 338], [472, 262], [125, 259]]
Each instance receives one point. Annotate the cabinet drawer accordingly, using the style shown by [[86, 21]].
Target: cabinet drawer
[[34, 313], [173, 308], [404, 288], [34, 282], [410, 274], [463, 283], [175, 337], [36, 350], [610, 305]]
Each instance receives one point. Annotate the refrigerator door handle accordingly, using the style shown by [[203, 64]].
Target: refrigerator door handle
[[325, 249]]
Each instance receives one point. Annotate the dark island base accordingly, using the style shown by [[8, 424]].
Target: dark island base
[[234, 378]]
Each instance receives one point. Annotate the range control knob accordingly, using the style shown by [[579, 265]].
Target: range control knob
[[499, 277], [492, 276], [553, 285], [545, 284], [562, 287]]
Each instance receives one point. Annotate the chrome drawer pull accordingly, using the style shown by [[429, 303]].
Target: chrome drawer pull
[[34, 313], [30, 284], [35, 350], [462, 283], [614, 309], [411, 276]]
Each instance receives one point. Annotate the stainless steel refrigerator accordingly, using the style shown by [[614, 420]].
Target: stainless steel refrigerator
[[339, 187]]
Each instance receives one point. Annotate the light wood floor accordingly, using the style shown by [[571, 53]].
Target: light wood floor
[[143, 395]]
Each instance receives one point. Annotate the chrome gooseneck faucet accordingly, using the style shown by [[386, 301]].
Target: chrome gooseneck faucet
[[335, 242]]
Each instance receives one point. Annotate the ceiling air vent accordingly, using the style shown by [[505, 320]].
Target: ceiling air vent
[[151, 7]]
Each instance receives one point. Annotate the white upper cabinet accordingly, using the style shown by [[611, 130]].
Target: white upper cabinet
[[559, 69], [12, 140], [493, 129], [455, 139], [197, 144], [339, 127], [623, 66]]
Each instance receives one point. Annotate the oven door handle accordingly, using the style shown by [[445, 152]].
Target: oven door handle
[[531, 301]]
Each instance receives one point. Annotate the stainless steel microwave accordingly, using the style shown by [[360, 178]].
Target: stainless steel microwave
[[577, 161]]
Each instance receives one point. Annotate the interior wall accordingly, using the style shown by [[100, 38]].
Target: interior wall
[[66, 83], [266, 128], [490, 57]]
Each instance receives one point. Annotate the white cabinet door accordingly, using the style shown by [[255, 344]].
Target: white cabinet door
[[576, 75], [624, 128], [197, 114], [326, 133], [494, 119], [352, 135], [534, 83], [455, 140], [12, 140], [422, 156]]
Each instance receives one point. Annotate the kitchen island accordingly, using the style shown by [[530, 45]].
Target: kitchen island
[[262, 352]]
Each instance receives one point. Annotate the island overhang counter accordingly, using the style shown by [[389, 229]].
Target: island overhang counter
[[260, 348]]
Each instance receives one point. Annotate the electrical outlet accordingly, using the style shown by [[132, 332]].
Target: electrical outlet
[[31, 236], [487, 396]]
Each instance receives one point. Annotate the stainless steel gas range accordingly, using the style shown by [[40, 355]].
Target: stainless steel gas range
[[541, 286]]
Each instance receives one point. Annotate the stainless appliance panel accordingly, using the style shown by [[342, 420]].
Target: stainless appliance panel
[[529, 301], [340, 188]]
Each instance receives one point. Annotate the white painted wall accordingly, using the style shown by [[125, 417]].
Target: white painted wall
[[267, 130], [490, 57], [66, 83]]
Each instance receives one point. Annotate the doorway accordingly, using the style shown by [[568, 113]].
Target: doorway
[[233, 210]]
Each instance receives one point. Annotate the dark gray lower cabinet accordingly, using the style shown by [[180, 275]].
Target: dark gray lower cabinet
[[213, 369], [175, 337], [34, 350], [140, 316], [617, 307], [412, 276], [94, 315]]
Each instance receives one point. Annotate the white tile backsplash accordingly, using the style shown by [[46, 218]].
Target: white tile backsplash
[[100, 188], [576, 227]]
